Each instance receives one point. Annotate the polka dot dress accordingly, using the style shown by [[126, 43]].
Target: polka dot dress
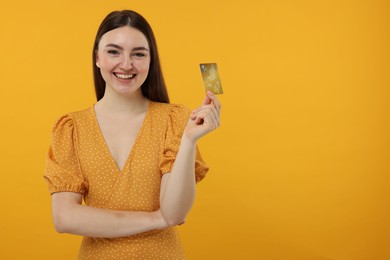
[[79, 161]]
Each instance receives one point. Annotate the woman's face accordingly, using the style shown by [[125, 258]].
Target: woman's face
[[123, 57]]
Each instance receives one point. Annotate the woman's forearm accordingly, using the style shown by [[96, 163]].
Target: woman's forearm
[[178, 187], [72, 217], [177, 192]]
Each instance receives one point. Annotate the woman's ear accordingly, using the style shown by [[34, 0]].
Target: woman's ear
[[97, 60]]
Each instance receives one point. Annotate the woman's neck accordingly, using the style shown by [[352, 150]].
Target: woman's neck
[[122, 105]]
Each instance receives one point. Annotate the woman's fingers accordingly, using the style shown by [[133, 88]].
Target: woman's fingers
[[214, 100], [207, 99], [210, 99], [207, 116], [194, 113]]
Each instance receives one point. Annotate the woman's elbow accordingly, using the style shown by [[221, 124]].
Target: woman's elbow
[[175, 220], [175, 216], [63, 204], [59, 223]]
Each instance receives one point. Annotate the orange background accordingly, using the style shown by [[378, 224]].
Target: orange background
[[300, 167]]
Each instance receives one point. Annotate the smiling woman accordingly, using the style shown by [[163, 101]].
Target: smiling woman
[[132, 156], [154, 86], [123, 59]]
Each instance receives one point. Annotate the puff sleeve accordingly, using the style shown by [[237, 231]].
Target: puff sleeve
[[177, 120], [62, 170]]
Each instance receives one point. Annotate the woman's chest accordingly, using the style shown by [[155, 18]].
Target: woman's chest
[[136, 185], [119, 137]]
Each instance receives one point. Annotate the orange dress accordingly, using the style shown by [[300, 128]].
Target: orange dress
[[79, 161]]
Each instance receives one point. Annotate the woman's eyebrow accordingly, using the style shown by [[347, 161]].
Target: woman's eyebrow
[[114, 46], [140, 49], [121, 48]]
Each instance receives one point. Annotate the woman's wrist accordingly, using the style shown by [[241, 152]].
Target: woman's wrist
[[188, 141]]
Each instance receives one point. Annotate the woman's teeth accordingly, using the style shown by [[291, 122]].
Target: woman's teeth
[[124, 76]]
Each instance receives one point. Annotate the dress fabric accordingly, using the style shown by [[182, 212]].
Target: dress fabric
[[80, 161]]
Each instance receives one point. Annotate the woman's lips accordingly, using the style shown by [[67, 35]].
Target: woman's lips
[[124, 76]]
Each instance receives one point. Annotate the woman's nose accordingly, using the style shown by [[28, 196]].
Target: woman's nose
[[126, 63]]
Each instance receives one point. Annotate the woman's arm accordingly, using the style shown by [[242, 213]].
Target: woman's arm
[[177, 193], [70, 216]]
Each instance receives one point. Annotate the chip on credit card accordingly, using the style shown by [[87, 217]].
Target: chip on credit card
[[211, 78]]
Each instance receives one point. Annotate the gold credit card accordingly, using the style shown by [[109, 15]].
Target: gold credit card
[[211, 77]]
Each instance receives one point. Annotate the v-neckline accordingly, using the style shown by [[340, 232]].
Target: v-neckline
[[104, 142]]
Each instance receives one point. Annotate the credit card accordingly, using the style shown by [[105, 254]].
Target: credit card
[[211, 78]]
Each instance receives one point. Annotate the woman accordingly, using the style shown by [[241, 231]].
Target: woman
[[132, 156]]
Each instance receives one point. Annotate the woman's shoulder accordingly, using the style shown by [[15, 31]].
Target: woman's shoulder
[[69, 120], [173, 116], [170, 109], [81, 114]]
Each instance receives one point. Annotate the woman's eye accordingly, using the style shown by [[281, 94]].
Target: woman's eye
[[139, 55], [113, 52]]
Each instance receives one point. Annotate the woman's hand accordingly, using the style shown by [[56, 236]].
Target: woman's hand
[[204, 119], [159, 219]]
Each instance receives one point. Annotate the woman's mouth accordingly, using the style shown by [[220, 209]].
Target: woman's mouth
[[124, 76]]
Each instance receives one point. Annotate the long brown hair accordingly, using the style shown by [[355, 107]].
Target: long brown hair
[[154, 86]]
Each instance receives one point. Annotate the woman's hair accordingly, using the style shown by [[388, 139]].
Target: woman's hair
[[154, 86]]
